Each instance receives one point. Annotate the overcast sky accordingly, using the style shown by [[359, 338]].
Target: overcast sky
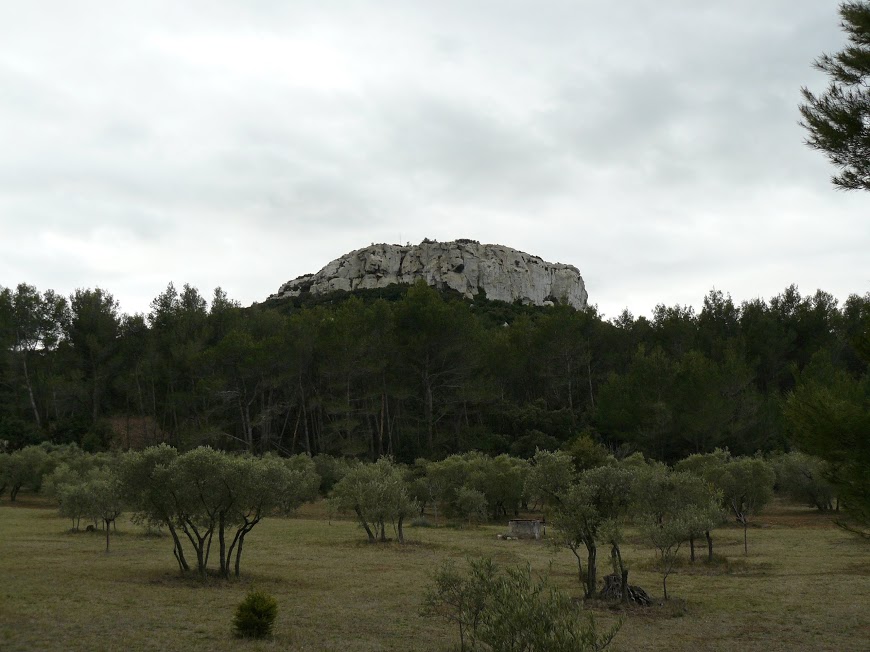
[[654, 145]]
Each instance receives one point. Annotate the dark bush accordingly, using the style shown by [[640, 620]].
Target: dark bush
[[255, 615]]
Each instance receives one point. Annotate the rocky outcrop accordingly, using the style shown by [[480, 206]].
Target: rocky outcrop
[[466, 266]]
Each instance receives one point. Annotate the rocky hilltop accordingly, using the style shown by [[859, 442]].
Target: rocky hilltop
[[466, 266]]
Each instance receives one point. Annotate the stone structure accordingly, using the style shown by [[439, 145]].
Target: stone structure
[[525, 528], [466, 266]]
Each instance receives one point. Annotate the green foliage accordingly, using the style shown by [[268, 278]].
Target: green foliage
[[499, 479], [255, 615], [666, 538], [548, 477], [743, 485], [829, 416], [837, 120], [803, 479], [599, 499], [746, 485], [75, 502], [25, 469], [378, 494], [413, 373], [471, 505], [586, 452], [668, 405], [526, 446], [673, 507], [206, 493], [297, 485], [331, 470], [510, 611]]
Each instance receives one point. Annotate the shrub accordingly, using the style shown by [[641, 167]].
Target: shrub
[[422, 521], [471, 505], [504, 611], [255, 615]]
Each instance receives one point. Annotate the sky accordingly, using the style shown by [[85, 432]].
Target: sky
[[653, 145]]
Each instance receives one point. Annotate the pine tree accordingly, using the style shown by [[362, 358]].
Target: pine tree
[[838, 121]]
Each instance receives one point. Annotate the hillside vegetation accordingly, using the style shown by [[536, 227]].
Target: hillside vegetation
[[413, 372]]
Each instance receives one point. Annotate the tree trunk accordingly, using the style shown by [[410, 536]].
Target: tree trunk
[[107, 534], [591, 579], [429, 409], [400, 531], [579, 567], [709, 546], [589, 375], [745, 543], [178, 551], [692, 548], [30, 392], [198, 543], [239, 553], [623, 573], [364, 524], [380, 449], [305, 421], [225, 567]]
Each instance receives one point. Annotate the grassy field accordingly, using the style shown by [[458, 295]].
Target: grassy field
[[804, 586]]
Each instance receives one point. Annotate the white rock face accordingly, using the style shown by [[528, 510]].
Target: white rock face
[[466, 266]]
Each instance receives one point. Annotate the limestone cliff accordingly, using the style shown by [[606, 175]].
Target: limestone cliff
[[466, 266]]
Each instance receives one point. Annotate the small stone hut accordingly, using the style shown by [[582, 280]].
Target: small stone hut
[[525, 528]]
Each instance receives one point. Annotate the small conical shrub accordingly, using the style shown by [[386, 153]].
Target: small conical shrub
[[255, 615]]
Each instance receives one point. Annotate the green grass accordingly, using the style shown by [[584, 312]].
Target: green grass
[[804, 586]]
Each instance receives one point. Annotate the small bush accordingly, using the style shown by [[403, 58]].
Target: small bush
[[255, 615], [510, 610], [422, 521]]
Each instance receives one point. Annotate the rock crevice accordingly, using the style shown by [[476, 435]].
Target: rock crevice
[[466, 266]]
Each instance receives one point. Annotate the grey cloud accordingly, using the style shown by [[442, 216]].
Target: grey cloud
[[654, 145]]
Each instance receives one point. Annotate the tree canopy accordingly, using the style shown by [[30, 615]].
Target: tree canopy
[[838, 120]]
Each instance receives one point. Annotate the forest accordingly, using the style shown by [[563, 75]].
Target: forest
[[415, 372]]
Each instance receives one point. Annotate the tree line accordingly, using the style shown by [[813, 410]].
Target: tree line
[[411, 372], [208, 501]]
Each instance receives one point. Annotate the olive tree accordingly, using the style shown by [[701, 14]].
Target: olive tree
[[104, 490], [25, 468], [377, 494], [97, 495], [471, 505], [548, 477], [672, 507], [260, 486], [148, 488], [204, 492], [511, 610], [706, 467], [601, 495], [746, 486], [501, 479], [802, 478], [216, 493], [74, 502]]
